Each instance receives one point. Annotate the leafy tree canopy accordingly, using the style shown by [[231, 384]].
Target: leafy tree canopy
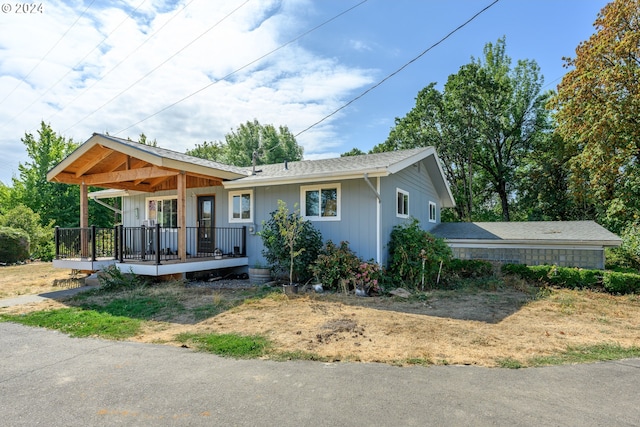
[[489, 116], [55, 203], [353, 152], [269, 144], [598, 111]]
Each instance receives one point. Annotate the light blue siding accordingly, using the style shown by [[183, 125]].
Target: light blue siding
[[358, 217], [416, 181]]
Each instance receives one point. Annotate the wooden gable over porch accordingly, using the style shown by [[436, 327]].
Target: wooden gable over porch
[[108, 162]]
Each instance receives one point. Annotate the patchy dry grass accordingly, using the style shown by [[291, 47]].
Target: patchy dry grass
[[36, 278], [506, 324]]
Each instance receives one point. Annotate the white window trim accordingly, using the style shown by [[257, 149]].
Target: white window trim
[[232, 194], [405, 193], [303, 204], [146, 205], [435, 211]]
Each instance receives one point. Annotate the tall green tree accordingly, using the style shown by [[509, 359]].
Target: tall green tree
[[269, 144], [214, 150], [488, 118], [598, 111], [353, 152], [55, 203]]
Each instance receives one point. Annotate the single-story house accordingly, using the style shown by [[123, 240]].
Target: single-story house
[[563, 243], [183, 214]]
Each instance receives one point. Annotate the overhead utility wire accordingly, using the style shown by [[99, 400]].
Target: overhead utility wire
[[48, 52], [158, 66], [71, 69], [242, 68], [120, 63], [398, 70]]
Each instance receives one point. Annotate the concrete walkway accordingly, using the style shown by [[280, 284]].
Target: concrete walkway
[[27, 299], [47, 378]]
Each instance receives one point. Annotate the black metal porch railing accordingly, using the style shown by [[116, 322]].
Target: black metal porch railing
[[154, 244], [91, 243]]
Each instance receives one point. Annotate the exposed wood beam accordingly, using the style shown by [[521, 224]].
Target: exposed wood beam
[[128, 175], [156, 181], [88, 165]]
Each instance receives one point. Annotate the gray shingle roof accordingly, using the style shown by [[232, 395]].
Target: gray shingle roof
[[174, 155], [365, 163], [552, 232]]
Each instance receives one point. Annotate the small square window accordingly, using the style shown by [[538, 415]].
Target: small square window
[[403, 203], [321, 203], [241, 206]]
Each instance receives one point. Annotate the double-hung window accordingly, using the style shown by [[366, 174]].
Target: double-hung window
[[320, 202], [402, 198], [241, 206]]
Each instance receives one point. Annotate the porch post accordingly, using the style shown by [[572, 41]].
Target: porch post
[[84, 220], [182, 216]]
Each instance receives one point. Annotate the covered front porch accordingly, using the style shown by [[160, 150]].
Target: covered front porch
[[151, 251], [150, 245]]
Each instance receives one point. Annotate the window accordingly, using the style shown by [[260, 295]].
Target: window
[[403, 203], [433, 213], [321, 203], [241, 206], [163, 211]]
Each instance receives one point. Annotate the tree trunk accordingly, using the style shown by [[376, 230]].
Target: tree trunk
[[504, 200]]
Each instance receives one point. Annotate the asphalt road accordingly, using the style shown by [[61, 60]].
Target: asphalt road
[[47, 378]]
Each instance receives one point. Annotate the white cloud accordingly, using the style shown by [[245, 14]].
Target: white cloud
[[293, 86]]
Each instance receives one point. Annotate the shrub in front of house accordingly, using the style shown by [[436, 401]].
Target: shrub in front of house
[[552, 275], [14, 245], [458, 270], [627, 256], [335, 266], [621, 283], [415, 254], [338, 268], [306, 247]]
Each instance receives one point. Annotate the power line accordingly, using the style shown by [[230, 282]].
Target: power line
[[117, 65], [243, 67], [48, 52], [71, 69], [398, 70]]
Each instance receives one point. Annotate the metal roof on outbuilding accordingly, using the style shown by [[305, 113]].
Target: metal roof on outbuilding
[[531, 232]]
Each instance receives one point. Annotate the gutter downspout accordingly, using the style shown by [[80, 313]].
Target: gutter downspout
[[100, 202], [376, 191]]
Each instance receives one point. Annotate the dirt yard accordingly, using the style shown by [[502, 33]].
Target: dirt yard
[[477, 327]]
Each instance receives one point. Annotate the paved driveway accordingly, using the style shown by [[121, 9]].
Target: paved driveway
[[47, 378]]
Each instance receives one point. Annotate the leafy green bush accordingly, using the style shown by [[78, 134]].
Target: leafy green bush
[[628, 254], [276, 237], [14, 245], [457, 270], [552, 275], [415, 254], [339, 268], [335, 266], [621, 283], [470, 268], [42, 245]]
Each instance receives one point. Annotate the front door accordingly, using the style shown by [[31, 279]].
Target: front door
[[206, 238]]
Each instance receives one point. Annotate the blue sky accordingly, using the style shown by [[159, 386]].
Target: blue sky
[[188, 71]]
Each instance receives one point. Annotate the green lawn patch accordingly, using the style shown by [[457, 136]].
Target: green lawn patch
[[79, 323], [228, 345], [587, 354], [139, 306]]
